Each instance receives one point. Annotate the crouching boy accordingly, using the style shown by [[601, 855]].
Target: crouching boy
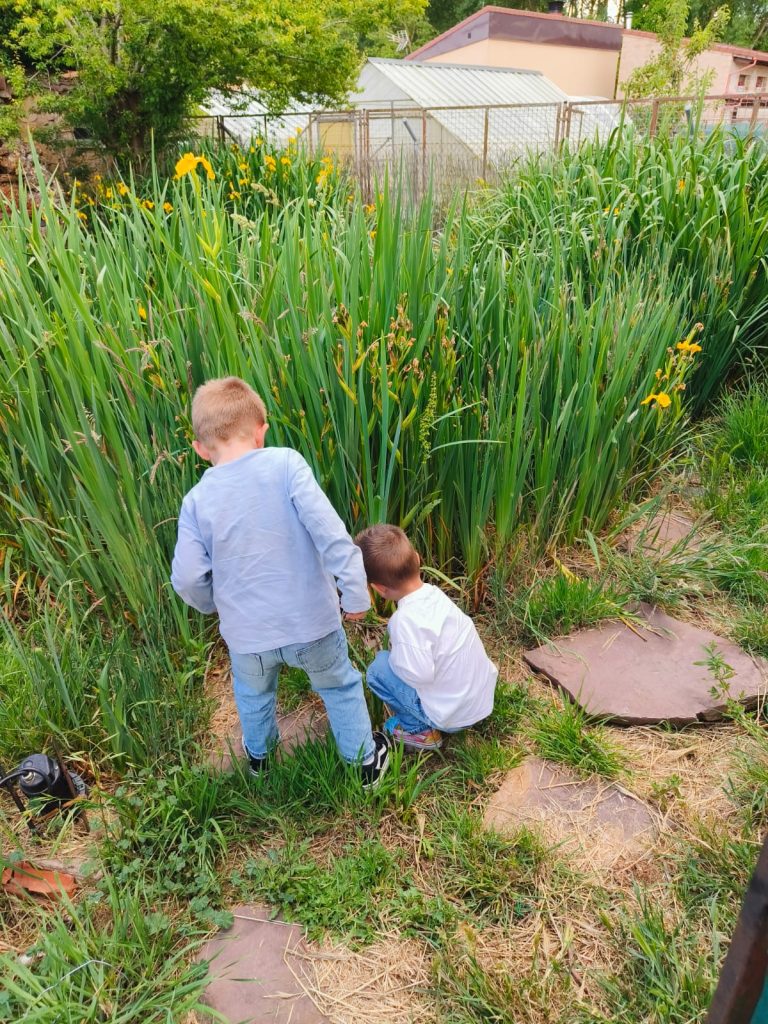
[[261, 545], [436, 676]]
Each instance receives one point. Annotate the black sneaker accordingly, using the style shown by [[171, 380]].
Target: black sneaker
[[373, 772], [256, 765]]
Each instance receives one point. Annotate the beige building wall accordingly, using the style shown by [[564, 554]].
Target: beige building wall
[[638, 48], [577, 70]]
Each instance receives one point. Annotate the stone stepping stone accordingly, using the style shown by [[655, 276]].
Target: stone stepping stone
[[251, 981], [649, 674], [308, 722], [590, 820], [666, 532]]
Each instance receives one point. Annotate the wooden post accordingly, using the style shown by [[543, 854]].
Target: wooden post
[[741, 996], [484, 174], [654, 118]]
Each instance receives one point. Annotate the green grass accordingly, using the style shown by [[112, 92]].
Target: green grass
[[361, 890], [557, 605], [564, 735], [667, 973], [109, 958], [492, 877], [744, 425]]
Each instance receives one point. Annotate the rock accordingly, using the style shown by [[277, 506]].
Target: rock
[[654, 673], [251, 981], [590, 819], [666, 532]]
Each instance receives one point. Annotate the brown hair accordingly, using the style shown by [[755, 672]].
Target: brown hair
[[225, 408], [388, 556]]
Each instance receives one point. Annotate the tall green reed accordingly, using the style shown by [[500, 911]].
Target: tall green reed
[[461, 382], [698, 208]]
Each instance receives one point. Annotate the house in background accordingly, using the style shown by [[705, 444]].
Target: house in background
[[584, 58]]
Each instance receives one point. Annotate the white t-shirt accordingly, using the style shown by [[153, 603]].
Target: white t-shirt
[[434, 647]]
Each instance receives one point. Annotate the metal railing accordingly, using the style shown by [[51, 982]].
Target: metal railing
[[452, 145]]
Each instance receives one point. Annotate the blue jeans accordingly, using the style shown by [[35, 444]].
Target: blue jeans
[[331, 674], [401, 698]]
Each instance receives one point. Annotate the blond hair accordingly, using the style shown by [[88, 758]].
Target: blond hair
[[226, 408], [388, 556]]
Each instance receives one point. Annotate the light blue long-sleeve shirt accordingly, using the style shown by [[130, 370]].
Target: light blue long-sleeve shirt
[[261, 544]]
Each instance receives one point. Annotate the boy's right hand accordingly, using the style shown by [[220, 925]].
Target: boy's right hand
[[355, 616]]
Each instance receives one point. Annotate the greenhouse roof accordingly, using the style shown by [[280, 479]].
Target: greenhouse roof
[[430, 84]]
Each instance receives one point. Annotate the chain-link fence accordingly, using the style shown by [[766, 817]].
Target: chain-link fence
[[450, 146]]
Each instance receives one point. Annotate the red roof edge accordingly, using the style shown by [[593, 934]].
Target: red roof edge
[[737, 51], [449, 32]]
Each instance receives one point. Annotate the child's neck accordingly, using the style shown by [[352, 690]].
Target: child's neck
[[228, 451], [410, 587]]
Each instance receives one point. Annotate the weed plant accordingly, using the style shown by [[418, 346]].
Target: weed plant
[[565, 735]]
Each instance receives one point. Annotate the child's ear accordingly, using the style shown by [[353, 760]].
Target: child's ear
[[201, 450], [381, 591]]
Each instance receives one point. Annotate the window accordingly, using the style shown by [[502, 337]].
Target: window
[[742, 81], [760, 83]]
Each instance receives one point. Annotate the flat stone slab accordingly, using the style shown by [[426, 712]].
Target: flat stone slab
[[589, 819], [649, 674], [666, 532], [251, 980], [309, 722]]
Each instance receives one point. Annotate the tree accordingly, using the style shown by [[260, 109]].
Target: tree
[[144, 65], [673, 71], [748, 25]]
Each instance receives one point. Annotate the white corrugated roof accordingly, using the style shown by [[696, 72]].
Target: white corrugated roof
[[244, 118], [464, 85]]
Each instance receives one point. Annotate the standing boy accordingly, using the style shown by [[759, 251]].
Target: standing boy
[[260, 544], [436, 675]]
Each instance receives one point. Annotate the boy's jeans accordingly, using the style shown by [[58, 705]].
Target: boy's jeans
[[401, 698], [332, 675]]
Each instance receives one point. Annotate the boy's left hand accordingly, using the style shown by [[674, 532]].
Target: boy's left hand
[[355, 616]]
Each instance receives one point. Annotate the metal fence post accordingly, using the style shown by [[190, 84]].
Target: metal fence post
[[484, 175], [423, 151], [368, 175], [654, 118], [755, 114]]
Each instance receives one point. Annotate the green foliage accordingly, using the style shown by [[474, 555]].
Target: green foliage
[[748, 783], [556, 605], [166, 835], [747, 25], [142, 66], [492, 877], [714, 872], [564, 735], [362, 886], [743, 426], [472, 988], [666, 975], [511, 704], [700, 207], [70, 677], [109, 960], [11, 113], [673, 71]]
